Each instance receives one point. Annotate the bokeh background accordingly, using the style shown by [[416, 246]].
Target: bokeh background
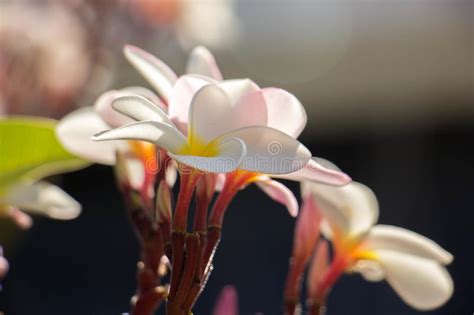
[[389, 89]]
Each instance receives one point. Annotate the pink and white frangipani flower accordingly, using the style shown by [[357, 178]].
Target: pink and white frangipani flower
[[412, 264], [218, 140], [269, 107]]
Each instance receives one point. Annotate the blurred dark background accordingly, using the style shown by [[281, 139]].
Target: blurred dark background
[[389, 89]]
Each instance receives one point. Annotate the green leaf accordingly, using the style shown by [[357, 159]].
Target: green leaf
[[29, 150]]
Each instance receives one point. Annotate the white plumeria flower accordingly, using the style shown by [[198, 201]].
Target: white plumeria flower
[[270, 107], [37, 198], [412, 264], [218, 139]]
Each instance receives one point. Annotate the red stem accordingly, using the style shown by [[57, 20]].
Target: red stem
[[187, 183], [293, 285], [177, 239], [192, 255]]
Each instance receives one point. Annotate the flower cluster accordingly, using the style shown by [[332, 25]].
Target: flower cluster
[[221, 135], [412, 264]]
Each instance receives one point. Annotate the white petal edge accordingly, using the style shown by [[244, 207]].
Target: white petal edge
[[270, 151], [146, 93], [280, 193], [352, 209], [75, 130], [140, 108], [43, 198], [403, 240], [163, 135], [231, 153], [285, 112], [422, 283], [201, 61], [316, 172], [155, 71]]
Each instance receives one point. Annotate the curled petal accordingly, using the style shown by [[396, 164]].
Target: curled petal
[[146, 93], [270, 151], [163, 135], [44, 198], [201, 61], [422, 283], [75, 130], [227, 302], [155, 71], [398, 239], [314, 171], [140, 108], [285, 111], [280, 193], [352, 209], [231, 154], [103, 107]]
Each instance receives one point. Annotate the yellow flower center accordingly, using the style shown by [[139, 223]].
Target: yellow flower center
[[198, 147]]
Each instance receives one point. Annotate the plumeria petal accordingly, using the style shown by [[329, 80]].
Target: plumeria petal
[[402, 240], [155, 71], [285, 111], [231, 154], [422, 283], [270, 151], [140, 108], [181, 96], [280, 193], [212, 113], [163, 135], [103, 107], [314, 171], [352, 209], [43, 198], [201, 61], [237, 88], [146, 93], [227, 302], [74, 132]]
